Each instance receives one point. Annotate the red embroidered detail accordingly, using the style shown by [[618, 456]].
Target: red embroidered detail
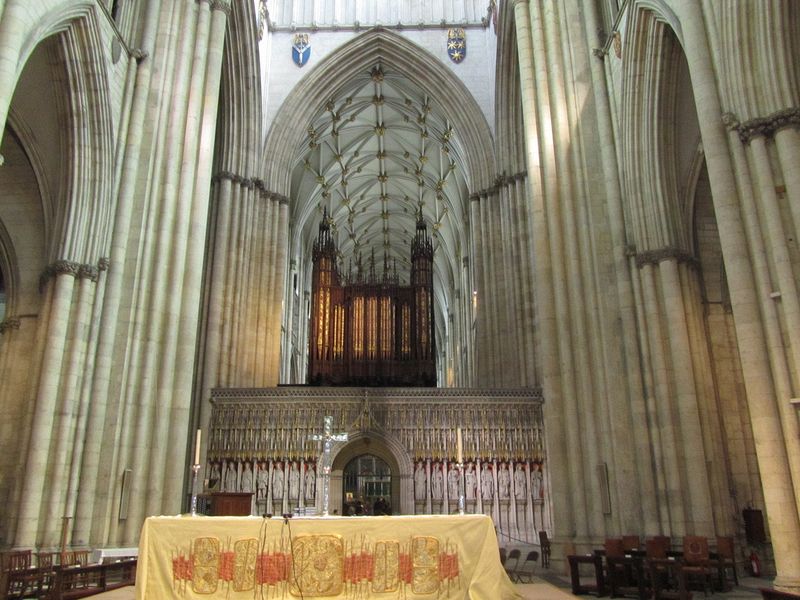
[[406, 572], [448, 566], [182, 568], [359, 567], [226, 564], [272, 568], [367, 567]]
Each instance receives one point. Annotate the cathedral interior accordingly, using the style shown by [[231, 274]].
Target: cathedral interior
[[554, 242]]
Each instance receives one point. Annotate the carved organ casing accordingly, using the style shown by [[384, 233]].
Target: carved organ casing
[[372, 331]]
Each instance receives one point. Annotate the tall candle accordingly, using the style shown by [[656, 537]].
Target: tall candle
[[197, 447], [459, 447]]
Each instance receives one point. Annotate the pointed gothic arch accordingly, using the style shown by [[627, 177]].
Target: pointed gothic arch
[[390, 450], [362, 53]]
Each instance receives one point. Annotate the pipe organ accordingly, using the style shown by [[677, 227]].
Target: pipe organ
[[369, 330]]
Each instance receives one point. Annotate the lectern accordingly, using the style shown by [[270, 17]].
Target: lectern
[[230, 504]]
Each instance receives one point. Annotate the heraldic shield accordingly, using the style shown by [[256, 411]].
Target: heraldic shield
[[456, 44], [301, 49]]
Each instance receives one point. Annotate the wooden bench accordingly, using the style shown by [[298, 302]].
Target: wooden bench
[[87, 580], [598, 586]]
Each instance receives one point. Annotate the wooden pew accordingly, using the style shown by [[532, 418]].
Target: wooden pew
[[87, 580]]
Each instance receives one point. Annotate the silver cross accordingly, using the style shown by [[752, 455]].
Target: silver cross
[[327, 438]]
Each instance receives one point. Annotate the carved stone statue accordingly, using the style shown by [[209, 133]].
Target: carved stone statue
[[437, 482], [262, 481], [214, 478], [277, 481], [311, 480], [487, 482], [231, 477], [452, 482], [247, 479], [294, 482], [503, 482], [420, 481], [536, 481], [471, 482], [520, 485]]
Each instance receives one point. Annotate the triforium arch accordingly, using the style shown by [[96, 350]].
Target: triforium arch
[[399, 57], [390, 451]]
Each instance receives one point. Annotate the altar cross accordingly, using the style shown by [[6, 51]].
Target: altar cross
[[327, 438]]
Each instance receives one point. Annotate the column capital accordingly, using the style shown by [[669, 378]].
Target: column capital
[[9, 323], [654, 257], [762, 126]]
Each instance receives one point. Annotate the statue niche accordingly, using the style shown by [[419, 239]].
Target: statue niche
[[370, 330]]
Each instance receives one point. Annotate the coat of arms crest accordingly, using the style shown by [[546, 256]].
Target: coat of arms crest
[[456, 44], [301, 49]]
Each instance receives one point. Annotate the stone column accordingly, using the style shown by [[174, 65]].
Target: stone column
[[571, 504], [782, 510], [38, 452], [179, 448], [67, 418], [480, 316], [88, 496]]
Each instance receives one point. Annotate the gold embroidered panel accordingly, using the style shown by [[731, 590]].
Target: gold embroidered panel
[[337, 557]]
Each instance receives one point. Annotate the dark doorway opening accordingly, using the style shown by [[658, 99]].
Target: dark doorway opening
[[367, 486]]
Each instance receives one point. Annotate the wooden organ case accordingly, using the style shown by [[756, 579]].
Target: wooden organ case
[[369, 330]]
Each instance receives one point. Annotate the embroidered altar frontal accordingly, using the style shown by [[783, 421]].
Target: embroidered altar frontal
[[443, 557]]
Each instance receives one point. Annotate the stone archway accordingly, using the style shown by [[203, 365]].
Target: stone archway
[[388, 450]]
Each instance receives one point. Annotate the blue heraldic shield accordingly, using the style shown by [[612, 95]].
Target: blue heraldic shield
[[456, 44], [301, 49]]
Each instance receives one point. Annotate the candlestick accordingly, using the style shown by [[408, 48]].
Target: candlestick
[[462, 487], [459, 447], [195, 470], [197, 447]]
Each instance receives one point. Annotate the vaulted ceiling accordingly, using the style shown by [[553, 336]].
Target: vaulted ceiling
[[380, 152]]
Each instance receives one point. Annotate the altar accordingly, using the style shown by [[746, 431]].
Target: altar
[[435, 556]]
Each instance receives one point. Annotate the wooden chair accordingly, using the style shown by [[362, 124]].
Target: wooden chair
[[727, 560], [631, 542], [544, 543], [624, 572], [697, 564], [44, 560], [19, 560], [80, 557], [657, 547], [503, 556], [598, 585]]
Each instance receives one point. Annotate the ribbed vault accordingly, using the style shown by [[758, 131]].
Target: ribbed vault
[[377, 134]]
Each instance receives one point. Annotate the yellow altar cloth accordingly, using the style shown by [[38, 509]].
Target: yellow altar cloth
[[410, 557]]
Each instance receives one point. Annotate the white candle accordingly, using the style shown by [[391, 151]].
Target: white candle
[[197, 447], [459, 447]]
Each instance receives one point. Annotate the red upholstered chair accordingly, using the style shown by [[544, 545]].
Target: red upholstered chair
[[624, 572], [630, 542], [727, 559], [657, 547], [696, 562]]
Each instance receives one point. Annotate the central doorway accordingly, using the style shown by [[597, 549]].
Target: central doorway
[[366, 486]]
